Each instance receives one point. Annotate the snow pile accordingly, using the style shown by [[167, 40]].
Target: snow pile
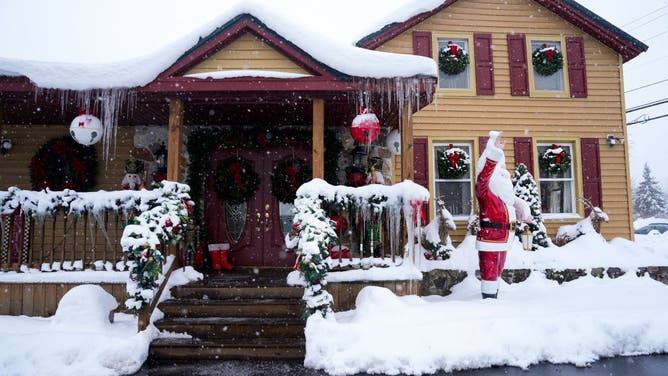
[[538, 320], [85, 306], [83, 276]]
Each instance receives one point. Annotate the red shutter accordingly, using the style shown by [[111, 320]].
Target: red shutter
[[577, 72], [422, 43], [524, 152], [591, 172], [517, 59], [421, 161], [484, 66], [482, 142]]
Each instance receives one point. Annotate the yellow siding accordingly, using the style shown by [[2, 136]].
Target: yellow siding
[[569, 119], [247, 52]]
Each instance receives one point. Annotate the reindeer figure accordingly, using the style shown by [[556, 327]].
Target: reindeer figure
[[436, 235], [588, 225]]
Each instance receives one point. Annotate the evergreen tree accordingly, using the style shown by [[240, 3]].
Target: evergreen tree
[[649, 199], [526, 189]]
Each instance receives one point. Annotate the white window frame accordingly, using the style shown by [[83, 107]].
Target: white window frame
[[470, 179], [574, 206]]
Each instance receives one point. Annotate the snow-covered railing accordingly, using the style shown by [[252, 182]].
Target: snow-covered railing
[[367, 209]]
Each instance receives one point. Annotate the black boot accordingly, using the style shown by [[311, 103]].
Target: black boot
[[490, 296]]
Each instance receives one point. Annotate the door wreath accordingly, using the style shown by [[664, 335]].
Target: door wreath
[[235, 181], [62, 163], [287, 176]]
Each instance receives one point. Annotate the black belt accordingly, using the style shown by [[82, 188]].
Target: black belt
[[497, 225]]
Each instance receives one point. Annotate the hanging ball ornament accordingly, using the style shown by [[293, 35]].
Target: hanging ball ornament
[[393, 142], [365, 127], [86, 129]]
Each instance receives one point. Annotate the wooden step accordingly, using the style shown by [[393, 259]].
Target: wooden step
[[213, 292], [292, 307], [186, 349], [234, 327]]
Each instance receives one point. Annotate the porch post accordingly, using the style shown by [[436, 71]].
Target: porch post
[[174, 139], [318, 138], [407, 172]]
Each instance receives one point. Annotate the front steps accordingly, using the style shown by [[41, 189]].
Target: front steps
[[246, 314]]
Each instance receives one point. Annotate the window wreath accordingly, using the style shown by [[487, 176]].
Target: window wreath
[[287, 176], [452, 59], [235, 181], [62, 163], [555, 160], [453, 162], [547, 60]]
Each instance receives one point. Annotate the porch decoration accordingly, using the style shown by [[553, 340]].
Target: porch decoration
[[453, 59], [525, 187], [287, 176], [393, 142], [86, 129], [547, 60], [453, 162], [365, 127], [555, 160], [62, 164], [235, 181]]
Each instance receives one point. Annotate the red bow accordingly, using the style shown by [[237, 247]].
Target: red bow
[[454, 50], [292, 170], [549, 54], [235, 169]]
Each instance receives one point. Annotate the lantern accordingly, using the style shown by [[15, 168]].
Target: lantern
[[86, 129], [365, 127], [393, 142], [527, 239]]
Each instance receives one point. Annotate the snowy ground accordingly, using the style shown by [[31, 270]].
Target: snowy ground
[[537, 320]]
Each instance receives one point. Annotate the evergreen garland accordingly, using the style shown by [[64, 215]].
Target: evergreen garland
[[547, 60], [62, 163], [453, 163], [452, 59], [287, 176], [525, 188], [555, 160], [235, 180]]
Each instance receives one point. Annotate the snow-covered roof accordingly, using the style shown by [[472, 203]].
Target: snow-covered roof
[[62, 58]]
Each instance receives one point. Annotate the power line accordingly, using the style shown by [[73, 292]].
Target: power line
[[654, 36], [647, 105], [648, 85], [645, 15], [643, 121], [652, 20]]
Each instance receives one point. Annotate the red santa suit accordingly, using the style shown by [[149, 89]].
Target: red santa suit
[[499, 209]]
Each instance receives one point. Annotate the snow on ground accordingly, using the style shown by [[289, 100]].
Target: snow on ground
[[78, 339]]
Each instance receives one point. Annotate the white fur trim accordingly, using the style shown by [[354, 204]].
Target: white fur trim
[[483, 246], [489, 287], [495, 153]]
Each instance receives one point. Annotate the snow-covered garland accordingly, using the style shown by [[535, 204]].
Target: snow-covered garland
[[453, 162], [312, 231], [547, 60], [452, 59], [555, 160], [147, 234]]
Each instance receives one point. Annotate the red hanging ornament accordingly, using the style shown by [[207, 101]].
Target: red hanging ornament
[[365, 127]]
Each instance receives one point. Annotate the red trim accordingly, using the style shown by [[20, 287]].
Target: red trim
[[524, 152], [422, 44], [560, 8], [591, 172], [233, 32], [484, 64], [421, 161], [517, 61], [577, 68]]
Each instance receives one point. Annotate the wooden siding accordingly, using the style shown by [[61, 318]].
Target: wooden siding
[[542, 119], [41, 299], [247, 52], [345, 293], [26, 140]]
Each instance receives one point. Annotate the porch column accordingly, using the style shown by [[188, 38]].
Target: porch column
[[407, 171], [174, 139], [318, 138]]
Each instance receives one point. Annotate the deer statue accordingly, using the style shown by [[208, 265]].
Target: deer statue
[[436, 235], [588, 225]]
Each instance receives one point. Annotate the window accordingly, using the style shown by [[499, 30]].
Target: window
[[460, 81], [557, 192], [554, 83], [457, 193]]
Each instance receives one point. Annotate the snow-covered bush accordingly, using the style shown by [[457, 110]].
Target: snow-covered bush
[[526, 189]]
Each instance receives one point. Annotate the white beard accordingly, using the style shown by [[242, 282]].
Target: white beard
[[499, 183]]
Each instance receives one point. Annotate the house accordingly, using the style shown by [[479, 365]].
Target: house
[[254, 87]]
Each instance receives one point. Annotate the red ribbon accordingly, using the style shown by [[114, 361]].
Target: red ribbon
[[292, 170], [454, 50], [549, 54], [235, 169]]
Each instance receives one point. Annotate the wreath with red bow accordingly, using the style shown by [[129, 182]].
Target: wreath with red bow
[[235, 181], [547, 60], [62, 163], [453, 59], [453, 162], [555, 160], [287, 176]]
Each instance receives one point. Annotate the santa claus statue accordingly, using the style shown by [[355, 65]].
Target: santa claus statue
[[499, 210]]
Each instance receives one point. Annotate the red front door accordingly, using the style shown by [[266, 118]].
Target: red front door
[[260, 239]]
